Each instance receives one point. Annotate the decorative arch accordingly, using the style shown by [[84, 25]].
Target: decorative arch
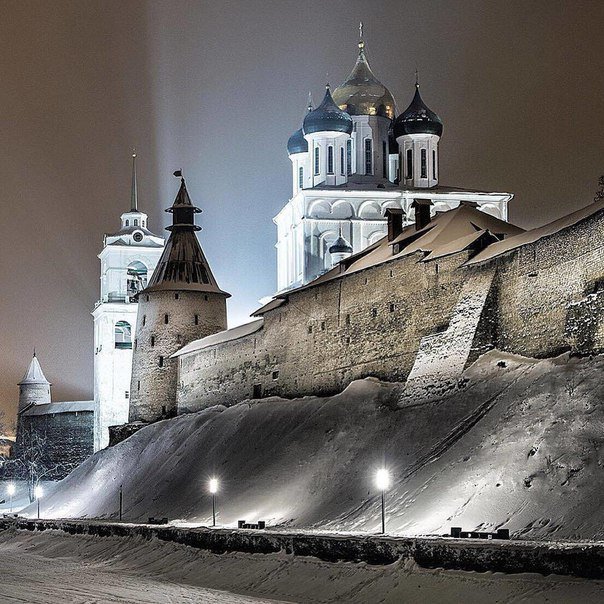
[[136, 278], [319, 208], [326, 238], [123, 335], [390, 204], [342, 209], [370, 209], [375, 236]]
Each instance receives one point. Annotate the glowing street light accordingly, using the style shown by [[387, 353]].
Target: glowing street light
[[11, 489], [382, 481], [213, 486], [38, 492]]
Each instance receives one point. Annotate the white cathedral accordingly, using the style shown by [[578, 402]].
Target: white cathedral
[[352, 159]]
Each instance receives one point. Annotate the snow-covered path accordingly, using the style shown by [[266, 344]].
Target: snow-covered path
[[26, 576], [52, 567]]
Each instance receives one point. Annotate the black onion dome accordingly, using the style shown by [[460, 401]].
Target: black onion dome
[[327, 117], [417, 119], [340, 246], [297, 143]]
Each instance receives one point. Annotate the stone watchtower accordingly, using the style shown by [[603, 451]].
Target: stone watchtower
[[34, 388], [181, 303]]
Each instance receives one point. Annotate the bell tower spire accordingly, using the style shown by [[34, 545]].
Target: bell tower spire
[[134, 187]]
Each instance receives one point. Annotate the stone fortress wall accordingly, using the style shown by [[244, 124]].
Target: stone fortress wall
[[543, 299]]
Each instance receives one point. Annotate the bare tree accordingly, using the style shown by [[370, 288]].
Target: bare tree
[[31, 462]]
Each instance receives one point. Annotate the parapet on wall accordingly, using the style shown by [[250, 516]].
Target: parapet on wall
[[544, 299]]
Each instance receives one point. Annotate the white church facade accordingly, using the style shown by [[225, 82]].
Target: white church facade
[[352, 159], [128, 260]]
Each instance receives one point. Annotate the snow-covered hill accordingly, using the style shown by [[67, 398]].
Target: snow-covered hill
[[520, 445]]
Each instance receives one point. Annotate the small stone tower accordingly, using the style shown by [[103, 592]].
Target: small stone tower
[[34, 388], [181, 303]]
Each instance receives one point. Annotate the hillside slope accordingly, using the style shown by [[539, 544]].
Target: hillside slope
[[520, 445]]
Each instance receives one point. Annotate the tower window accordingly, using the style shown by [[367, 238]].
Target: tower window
[[205, 298], [176, 296], [123, 335], [196, 319], [349, 157], [409, 163], [368, 157], [275, 375], [135, 222], [434, 164], [300, 177], [424, 165], [152, 341], [161, 361], [144, 319], [384, 159], [127, 223], [322, 325], [147, 298], [342, 162], [316, 161], [138, 385], [166, 319], [330, 160], [347, 319]]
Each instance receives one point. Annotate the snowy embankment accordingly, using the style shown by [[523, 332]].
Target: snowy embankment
[[520, 446], [87, 568]]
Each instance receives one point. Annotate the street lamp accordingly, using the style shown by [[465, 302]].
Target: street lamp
[[11, 491], [38, 492], [213, 489], [382, 481]]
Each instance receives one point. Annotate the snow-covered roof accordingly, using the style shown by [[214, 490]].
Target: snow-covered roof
[[222, 336], [34, 374], [501, 247], [60, 407]]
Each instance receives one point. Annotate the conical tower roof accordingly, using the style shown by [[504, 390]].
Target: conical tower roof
[[362, 93], [183, 265], [34, 374]]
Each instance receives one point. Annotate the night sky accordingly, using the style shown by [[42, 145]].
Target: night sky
[[216, 88]]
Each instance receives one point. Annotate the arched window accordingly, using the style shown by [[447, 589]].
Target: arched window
[[384, 159], [316, 161], [123, 335], [409, 163], [301, 177], [136, 278], [424, 165], [434, 164], [349, 157], [368, 157], [330, 160], [135, 222], [342, 162], [127, 223]]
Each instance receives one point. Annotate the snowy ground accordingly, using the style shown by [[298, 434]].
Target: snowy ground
[[52, 567], [521, 446]]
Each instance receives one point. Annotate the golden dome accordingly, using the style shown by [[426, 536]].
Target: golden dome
[[362, 93]]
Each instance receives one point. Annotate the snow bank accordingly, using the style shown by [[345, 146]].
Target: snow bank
[[520, 446]]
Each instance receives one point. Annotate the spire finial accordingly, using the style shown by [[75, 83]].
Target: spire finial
[[361, 40], [178, 174], [416, 78], [134, 187], [309, 106]]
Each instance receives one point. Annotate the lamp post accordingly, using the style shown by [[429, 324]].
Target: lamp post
[[213, 489], [38, 492], [11, 491], [382, 481]]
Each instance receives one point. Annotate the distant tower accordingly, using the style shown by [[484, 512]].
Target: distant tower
[[34, 388], [417, 131], [181, 303], [127, 260]]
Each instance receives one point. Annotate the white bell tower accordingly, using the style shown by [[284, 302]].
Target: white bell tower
[[128, 260]]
